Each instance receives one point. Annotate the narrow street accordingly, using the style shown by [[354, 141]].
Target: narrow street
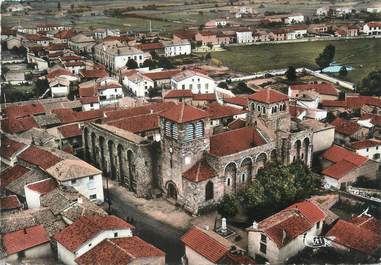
[[151, 230]]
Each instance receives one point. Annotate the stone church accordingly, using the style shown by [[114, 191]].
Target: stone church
[[170, 149]]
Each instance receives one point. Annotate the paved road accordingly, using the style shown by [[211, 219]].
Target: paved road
[[160, 235]]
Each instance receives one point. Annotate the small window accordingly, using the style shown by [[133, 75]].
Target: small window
[[116, 234], [91, 178], [93, 197], [367, 149], [263, 248], [263, 238], [90, 244], [318, 225], [228, 182], [73, 181]]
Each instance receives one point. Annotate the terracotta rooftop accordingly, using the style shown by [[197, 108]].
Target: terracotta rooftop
[[89, 100], [268, 96], [345, 127], [236, 124], [43, 186], [71, 130], [86, 227], [18, 111], [39, 157], [121, 251], [18, 125], [210, 97], [11, 174], [65, 34], [69, 169], [368, 222], [235, 141], [74, 64], [182, 113], [178, 93], [24, 239], [10, 202], [217, 111], [168, 74], [239, 101], [150, 46], [374, 118], [138, 124], [94, 74], [338, 153], [205, 245], [9, 147], [59, 72], [354, 237], [366, 144], [321, 88], [293, 221], [339, 169], [199, 172]]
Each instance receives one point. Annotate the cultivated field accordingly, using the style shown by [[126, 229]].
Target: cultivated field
[[364, 55]]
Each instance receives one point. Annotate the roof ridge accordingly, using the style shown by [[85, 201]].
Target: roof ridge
[[198, 170], [122, 249], [182, 112]]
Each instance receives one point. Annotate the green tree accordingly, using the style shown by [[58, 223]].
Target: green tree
[[241, 88], [291, 74], [165, 63], [305, 181], [326, 57], [149, 63], [41, 85], [208, 56], [371, 85], [223, 85], [343, 71], [228, 206], [132, 64], [210, 45], [252, 196]]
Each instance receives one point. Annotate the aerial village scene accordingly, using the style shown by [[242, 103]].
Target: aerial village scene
[[190, 132]]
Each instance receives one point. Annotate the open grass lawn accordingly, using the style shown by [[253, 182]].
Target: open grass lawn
[[364, 55]]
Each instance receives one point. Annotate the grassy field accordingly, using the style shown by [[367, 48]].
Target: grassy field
[[364, 55]]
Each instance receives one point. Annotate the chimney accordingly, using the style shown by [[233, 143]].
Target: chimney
[[255, 225], [206, 227], [80, 200], [25, 232], [284, 235]]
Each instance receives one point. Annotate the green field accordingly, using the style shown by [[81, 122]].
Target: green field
[[364, 55]]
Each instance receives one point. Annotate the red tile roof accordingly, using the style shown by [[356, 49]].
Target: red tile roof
[[310, 210], [217, 111], [70, 58], [293, 221], [94, 74], [374, 118], [145, 109], [182, 113], [59, 72], [239, 101], [10, 202], [235, 141], [354, 237], [150, 46], [86, 227], [162, 75], [199, 172], [322, 88], [353, 102], [236, 124], [69, 116], [9, 147], [39, 157], [18, 125], [338, 153], [179, 94], [339, 169], [367, 222], [345, 127], [73, 64], [120, 250], [365, 144], [36, 37], [11, 174], [374, 24], [24, 239], [295, 111], [239, 259], [268, 96], [205, 97], [71, 130], [203, 244], [89, 100], [43, 186], [65, 34], [18, 111], [87, 91], [334, 103], [138, 124]]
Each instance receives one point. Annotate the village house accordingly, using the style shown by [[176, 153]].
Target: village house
[[322, 11], [31, 243], [37, 39], [326, 91], [108, 89], [34, 191], [294, 19], [206, 37], [342, 167], [221, 115], [296, 32], [372, 28], [203, 246], [92, 74], [244, 36], [370, 148], [323, 134], [81, 43], [177, 48], [347, 131], [10, 203], [138, 83], [317, 28], [195, 81], [99, 239], [360, 235], [59, 87], [282, 235]]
